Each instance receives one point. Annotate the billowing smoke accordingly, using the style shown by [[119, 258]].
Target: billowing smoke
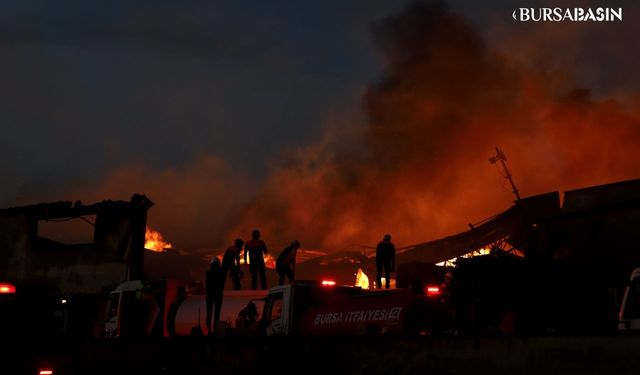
[[417, 167], [445, 101]]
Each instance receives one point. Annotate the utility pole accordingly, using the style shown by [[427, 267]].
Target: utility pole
[[502, 158]]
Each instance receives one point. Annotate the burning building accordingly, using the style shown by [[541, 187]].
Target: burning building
[[547, 265], [591, 224]]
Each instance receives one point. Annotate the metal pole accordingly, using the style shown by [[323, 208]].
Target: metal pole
[[508, 175], [502, 158]]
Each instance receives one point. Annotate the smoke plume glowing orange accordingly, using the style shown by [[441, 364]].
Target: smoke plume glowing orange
[[445, 101]]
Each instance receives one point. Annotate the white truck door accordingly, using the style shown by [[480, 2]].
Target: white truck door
[[274, 314], [629, 317]]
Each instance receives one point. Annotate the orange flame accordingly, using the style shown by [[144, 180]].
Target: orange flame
[[362, 280], [153, 241], [269, 261], [452, 262]]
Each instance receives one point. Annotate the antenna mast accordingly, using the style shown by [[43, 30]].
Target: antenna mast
[[502, 158]]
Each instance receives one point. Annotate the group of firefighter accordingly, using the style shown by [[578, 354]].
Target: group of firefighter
[[254, 250]]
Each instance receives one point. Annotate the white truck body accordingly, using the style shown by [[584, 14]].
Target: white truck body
[[136, 309]]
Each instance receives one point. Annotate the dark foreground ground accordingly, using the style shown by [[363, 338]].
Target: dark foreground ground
[[201, 355]]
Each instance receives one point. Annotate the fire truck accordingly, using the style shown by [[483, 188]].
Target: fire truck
[[172, 308], [322, 309]]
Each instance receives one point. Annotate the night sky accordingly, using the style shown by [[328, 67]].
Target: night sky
[[202, 105], [90, 86]]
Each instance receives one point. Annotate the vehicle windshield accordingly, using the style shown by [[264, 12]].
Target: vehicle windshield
[[276, 307], [113, 306]]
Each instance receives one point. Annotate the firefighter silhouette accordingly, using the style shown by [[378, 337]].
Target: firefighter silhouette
[[231, 264], [385, 258], [215, 285], [181, 295], [255, 249], [247, 320], [286, 262]]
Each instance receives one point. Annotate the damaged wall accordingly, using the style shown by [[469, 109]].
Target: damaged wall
[[114, 254]]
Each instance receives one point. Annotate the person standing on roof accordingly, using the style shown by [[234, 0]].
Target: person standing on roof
[[231, 263], [385, 258], [255, 249], [286, 262], [214, 279]]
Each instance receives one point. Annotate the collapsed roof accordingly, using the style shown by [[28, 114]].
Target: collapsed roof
[[607, 213]]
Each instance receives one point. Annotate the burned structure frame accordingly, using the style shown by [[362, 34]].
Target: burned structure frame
[[115, 254]]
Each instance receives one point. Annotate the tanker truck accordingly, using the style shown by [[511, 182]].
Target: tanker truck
[[167, 308]]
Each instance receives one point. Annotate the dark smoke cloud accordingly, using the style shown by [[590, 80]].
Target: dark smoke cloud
[[599, 55], [446, 99]]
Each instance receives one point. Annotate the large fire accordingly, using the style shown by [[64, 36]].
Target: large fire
[[153, 241]]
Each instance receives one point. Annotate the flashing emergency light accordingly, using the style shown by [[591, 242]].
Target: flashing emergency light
[[328, 283], [7, 288], [45, 372], [432, 291]]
